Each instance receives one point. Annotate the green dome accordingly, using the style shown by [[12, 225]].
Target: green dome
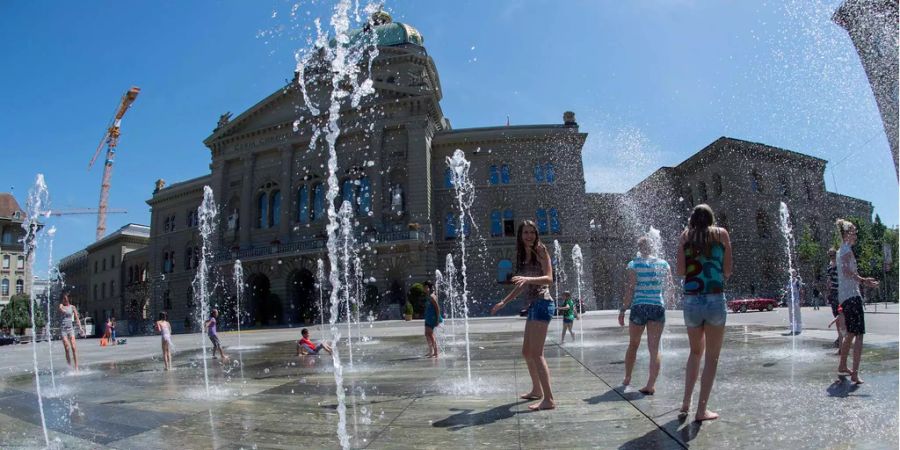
[[389, 32]]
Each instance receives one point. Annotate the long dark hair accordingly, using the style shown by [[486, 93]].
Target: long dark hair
[[520, 245], [701, 232]]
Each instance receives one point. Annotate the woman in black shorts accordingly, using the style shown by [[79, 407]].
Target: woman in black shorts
[[850, 299]]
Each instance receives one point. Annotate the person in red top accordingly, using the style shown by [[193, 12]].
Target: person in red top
[[307, 347]]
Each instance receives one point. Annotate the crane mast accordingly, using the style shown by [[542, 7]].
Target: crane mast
[[111, 140]]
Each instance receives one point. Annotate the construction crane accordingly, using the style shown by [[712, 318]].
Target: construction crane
[[77, 211], [111, 140]]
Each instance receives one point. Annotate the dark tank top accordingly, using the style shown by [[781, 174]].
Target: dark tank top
[[534, 291]]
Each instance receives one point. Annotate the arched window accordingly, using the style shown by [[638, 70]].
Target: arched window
[[95, 292], [504, 174], [448, 178], [549, 173], [6, 263], [365, 196], [504, 271], [554, 221], [701, 187], [496, 224], [318, 202], [755, 185], [494, 175], [509, 223], [347, 195], [262, 211], [785, 187], [762, 224], [4, 287], [542, 220], [303, 204], [275, 210], [189, 258], [20, 286], [450, 226], [538, 173], [7, 236]]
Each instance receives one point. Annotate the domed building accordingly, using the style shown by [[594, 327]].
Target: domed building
[[267, 172]]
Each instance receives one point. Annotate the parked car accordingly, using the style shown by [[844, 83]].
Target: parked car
[[745, 304], [6, 339]]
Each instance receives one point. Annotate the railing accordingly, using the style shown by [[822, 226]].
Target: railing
[[314, 244]]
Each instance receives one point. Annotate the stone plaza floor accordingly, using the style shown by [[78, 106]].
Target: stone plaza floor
[[771, 391]]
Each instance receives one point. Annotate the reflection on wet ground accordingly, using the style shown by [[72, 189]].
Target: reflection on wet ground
[[769, 395]]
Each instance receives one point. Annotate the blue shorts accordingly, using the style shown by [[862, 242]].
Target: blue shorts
[[542, 310], [704, 309], [568, 320], [641, 314]]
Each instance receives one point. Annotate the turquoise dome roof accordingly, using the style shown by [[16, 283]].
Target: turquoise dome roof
[[388, 32]]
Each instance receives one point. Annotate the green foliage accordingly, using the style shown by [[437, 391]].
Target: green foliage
[[17, 314], [408, 309], [416, 297], [809, 250]]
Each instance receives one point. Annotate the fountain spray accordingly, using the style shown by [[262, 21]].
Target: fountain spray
[[465, 197]]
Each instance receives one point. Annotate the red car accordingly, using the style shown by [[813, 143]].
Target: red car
[[744, 304]]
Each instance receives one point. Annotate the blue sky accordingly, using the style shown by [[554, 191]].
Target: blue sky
[[652, 82]]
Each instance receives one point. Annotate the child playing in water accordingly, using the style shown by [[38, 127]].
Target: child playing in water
[[165, 331], [432, 319], [306, 346], [210, 326], [568, 308]]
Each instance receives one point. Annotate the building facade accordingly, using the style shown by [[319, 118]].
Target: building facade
[[745, 183], [96, 279], [15, 273], [269, 181], [872, 26]]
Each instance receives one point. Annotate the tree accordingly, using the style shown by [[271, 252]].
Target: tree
[[416, 297], [17, 314]]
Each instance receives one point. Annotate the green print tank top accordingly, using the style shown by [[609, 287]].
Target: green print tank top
[[704, 274]]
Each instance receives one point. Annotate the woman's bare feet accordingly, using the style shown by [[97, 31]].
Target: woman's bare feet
[[685, 409], [626, 381], [705, 415], [646, 390], [856, 379], [546, 404], [532, 396], [844, 371]]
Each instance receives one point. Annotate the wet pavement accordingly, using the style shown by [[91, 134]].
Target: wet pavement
[[771, 391]]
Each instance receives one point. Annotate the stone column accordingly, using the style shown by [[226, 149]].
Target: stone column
[[287, 192], [378, 190], [418, 157], [247, 201]]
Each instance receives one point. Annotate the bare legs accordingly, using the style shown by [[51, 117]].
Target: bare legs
[[69, 342], [705, 339], [654, 333], [432, 343], [533, 352], [841, 331], [856, 340], [634, 341], [167, 356], [567, 326]]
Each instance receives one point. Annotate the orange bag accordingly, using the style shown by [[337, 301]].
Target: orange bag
[[103, 342]]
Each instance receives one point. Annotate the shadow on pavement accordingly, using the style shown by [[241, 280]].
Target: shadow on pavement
[[466, 418]]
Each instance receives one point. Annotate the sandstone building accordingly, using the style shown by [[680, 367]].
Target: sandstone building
[[15, 274], [268, 177]]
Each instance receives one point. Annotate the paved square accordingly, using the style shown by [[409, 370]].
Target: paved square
[[770, 391]]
